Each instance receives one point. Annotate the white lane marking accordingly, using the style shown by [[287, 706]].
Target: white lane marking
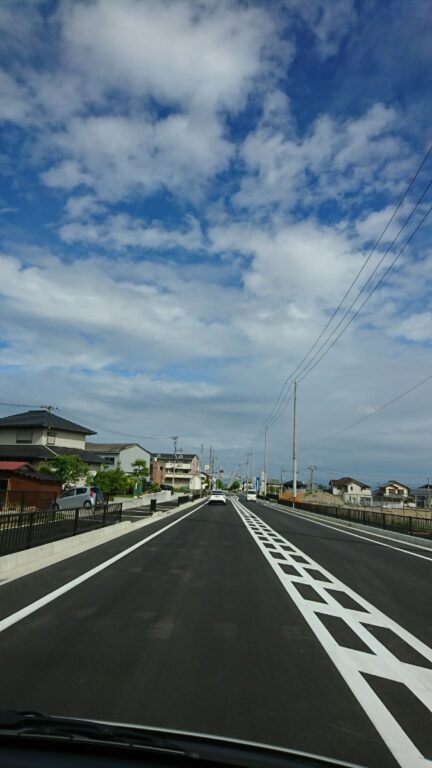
[[336, 527], [33, 607], [351, 663]]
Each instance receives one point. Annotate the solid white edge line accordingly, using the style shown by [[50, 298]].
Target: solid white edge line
[[35, 606], [334, 527]]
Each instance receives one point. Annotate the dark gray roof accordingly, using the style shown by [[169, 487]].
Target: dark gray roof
[[347, 481], [43, 419], [40, 452], [111, 447]]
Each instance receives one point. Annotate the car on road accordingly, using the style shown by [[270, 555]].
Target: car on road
[[217, 497], [86, 496], [251, 495]]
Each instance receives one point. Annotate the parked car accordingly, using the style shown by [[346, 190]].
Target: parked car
[[251, 495], [217, 497], [83, 496]]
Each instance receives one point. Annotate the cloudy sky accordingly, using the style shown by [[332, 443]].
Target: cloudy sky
[[188, 191]]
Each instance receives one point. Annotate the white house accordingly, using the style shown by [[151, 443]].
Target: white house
[[353, 491], [393, 488], [120, 454], [40, 436]]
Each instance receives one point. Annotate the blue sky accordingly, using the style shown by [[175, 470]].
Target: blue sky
[[188, 190]]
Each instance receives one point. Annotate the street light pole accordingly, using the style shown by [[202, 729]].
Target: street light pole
[[265, 459]]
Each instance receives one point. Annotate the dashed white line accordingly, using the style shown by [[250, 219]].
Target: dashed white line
[[352, 664]]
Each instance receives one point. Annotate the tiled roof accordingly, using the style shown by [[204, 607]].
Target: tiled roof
[[347, 481], [40, 452], [43, 419], [12, 466], [110, 447]]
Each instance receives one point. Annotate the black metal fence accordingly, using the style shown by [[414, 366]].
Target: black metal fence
[[30, 501], [413, 526], [22, 530]]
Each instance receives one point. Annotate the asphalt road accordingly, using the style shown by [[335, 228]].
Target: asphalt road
[[242, 621]]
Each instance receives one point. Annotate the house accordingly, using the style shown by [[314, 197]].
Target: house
[[39, 436], [183, 471], [353, 491], [423, 495], [23, 488], [120, 454], [393, 488]]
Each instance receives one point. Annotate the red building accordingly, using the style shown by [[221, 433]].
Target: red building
[[23, 488]]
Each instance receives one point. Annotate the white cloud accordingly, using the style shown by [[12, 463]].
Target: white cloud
[[332, 160], [122, 231]]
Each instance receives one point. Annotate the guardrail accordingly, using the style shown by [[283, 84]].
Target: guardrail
[[23, 530], [413, 526]]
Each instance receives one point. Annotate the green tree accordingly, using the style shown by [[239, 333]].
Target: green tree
[[70, 469], [139, 469], [219, 483], [235, 485], [112, 481]]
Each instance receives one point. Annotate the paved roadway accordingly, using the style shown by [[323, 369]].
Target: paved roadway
[[243, 621]]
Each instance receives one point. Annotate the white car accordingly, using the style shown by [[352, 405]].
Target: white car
[[217, 497], [251, 495]]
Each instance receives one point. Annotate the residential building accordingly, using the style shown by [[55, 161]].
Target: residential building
[[39, 436], [394, 488], [23, 488], [176, 473], [423, 495], [352, 491], [120, 454]]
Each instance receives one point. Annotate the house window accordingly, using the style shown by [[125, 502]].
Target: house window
[[108, 459], [51, 437], [24, 436]]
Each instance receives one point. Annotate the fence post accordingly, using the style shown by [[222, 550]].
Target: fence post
[[104, 514], [22, 501], [364, 516], [30, 529], [383, 519], [410, 525], [76, 521]]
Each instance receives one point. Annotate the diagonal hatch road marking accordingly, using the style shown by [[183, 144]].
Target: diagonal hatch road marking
[[300, 575]]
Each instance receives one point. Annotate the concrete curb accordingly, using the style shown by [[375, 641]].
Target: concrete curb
[[27, 561], [415, 541]]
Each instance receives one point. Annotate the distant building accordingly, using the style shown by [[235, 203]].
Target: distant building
[[120, 454], [395, 489], [39, 436], [185, 466], [352, 491]]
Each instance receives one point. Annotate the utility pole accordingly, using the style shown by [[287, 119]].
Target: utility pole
[[294, 449], [210, 469], [311, 470], [175, 440], [428, 492], [265, 460], [253, 467]]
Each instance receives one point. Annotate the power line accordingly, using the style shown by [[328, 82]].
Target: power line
[[274, 413], [310, 367], [372, 413]]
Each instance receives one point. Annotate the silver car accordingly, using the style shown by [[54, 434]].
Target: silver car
[[87, 496]]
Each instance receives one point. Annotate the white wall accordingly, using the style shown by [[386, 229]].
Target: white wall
[[128, 455], [8, 436]]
